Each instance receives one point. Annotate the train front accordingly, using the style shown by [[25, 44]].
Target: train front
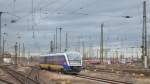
[[74, 62]]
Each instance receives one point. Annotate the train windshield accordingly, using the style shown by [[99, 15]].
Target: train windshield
[[74, 58]]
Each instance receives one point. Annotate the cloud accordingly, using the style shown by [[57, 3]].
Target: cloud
[[80, 18]]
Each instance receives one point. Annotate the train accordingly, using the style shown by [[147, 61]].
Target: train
[[67, 62]]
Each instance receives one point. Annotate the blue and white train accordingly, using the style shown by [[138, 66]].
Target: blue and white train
[[68, 62]]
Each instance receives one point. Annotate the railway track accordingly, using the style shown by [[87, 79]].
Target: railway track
[[5, 82], [117, 73], [20, 77], [102, 79]]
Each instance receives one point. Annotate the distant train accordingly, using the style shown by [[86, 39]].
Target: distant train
[[68, 62]]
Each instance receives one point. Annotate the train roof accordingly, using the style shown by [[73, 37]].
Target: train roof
[[63, 53], [53, 54]]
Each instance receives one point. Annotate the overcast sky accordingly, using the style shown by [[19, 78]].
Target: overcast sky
[[80, 18]]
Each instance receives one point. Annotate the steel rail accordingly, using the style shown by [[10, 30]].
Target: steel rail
[[22, 78], [102, 79], [5, 81]]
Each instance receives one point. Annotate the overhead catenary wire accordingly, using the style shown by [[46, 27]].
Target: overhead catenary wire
[[42, 8], [72, 12], [27, 15], [46, 5], [38, 9], [32, 3], [65, 6], [83, 7], [14, 3], [35, 43], [59, 8]]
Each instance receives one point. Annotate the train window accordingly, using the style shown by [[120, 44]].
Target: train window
[[42, 60], [57, 59], [45, 59], [74, 58]]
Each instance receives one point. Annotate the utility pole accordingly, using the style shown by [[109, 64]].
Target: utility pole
[[66, 42], [83, 51], [3, 49], [117, 56], [106, 53], [54, 43], [4, 41], [144, 37], [23, 53], [101, 44], [0, 36], [60, 39], [23, 50], [28, 61], [51, 47], [19, 51], [19, 37], [16, 49], [56, 39], [32, 4], [148, 44], [97, 50]]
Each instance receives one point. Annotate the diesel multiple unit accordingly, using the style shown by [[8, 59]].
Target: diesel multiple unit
[[68, 62]]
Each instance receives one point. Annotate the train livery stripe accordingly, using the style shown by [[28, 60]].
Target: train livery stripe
[[51, 66]]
